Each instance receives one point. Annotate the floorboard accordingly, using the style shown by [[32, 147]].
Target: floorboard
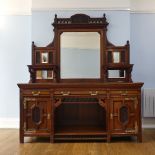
[[9, 145]]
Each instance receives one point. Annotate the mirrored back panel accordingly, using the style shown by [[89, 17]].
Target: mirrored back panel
[[80, 52], [80, 55], [116, 73]]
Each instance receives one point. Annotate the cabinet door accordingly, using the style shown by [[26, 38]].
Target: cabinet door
[[123, 113], [37, 115]]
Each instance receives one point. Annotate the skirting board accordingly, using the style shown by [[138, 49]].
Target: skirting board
[[14, 123], [148, 126], [148, 122], [9, 123]]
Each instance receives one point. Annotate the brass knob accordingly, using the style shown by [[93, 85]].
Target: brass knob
[[93, 93], [111, 115], [65, 93], [35, 93]]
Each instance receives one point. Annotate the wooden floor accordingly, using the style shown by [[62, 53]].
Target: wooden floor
[[9, 145]]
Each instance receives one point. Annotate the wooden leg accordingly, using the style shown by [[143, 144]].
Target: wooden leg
[[51, 139], [108, 138], [21, 138], [139, 138]]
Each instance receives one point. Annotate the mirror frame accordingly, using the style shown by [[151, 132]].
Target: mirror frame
[[81, 23]]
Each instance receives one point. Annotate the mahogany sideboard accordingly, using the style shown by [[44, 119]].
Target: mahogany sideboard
[[80, 111], [80, 108]]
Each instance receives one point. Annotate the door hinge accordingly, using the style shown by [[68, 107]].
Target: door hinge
[[136, 127], [136, 102], [24, 126], [24, 103]]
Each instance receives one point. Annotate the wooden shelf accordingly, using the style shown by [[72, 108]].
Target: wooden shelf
[[80, 130], [80, 102]]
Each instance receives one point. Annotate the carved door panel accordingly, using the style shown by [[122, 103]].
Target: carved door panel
[[37, 115], [123, 113]]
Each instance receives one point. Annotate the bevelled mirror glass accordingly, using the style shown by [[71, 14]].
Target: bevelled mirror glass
[[80, 55], [116, 73], [116, 57], [44, 57]]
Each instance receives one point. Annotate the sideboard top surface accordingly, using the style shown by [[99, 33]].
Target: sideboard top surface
[[81, 85]]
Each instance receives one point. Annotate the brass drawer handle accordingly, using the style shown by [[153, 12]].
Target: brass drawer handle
[[111, 115], [124, 93], [48, 116], [93, 93], [65, 93], [35, 93], [131, 98], [130, 131]]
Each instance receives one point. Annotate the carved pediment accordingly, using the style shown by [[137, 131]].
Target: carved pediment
[[80, 19]]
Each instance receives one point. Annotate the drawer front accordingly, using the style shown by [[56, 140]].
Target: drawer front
[[67, 92], [36, 92], [116, 93]]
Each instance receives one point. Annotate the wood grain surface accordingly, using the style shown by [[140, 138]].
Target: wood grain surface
[[9, 145]]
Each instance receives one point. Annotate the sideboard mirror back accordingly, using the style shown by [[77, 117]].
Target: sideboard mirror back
[[80, 52]]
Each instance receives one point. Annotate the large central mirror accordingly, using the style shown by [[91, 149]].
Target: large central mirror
[[80, 55]]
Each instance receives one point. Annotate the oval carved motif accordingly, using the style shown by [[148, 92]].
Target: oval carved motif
[[36, 114], [123, 115]]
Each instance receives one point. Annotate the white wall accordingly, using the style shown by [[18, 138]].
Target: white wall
[[15, 7], [143, 48], [133, 5], [82, 4], [144, 6], [23, 7], [15, 54]]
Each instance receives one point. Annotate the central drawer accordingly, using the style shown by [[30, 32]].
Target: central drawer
[[67, 92]]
